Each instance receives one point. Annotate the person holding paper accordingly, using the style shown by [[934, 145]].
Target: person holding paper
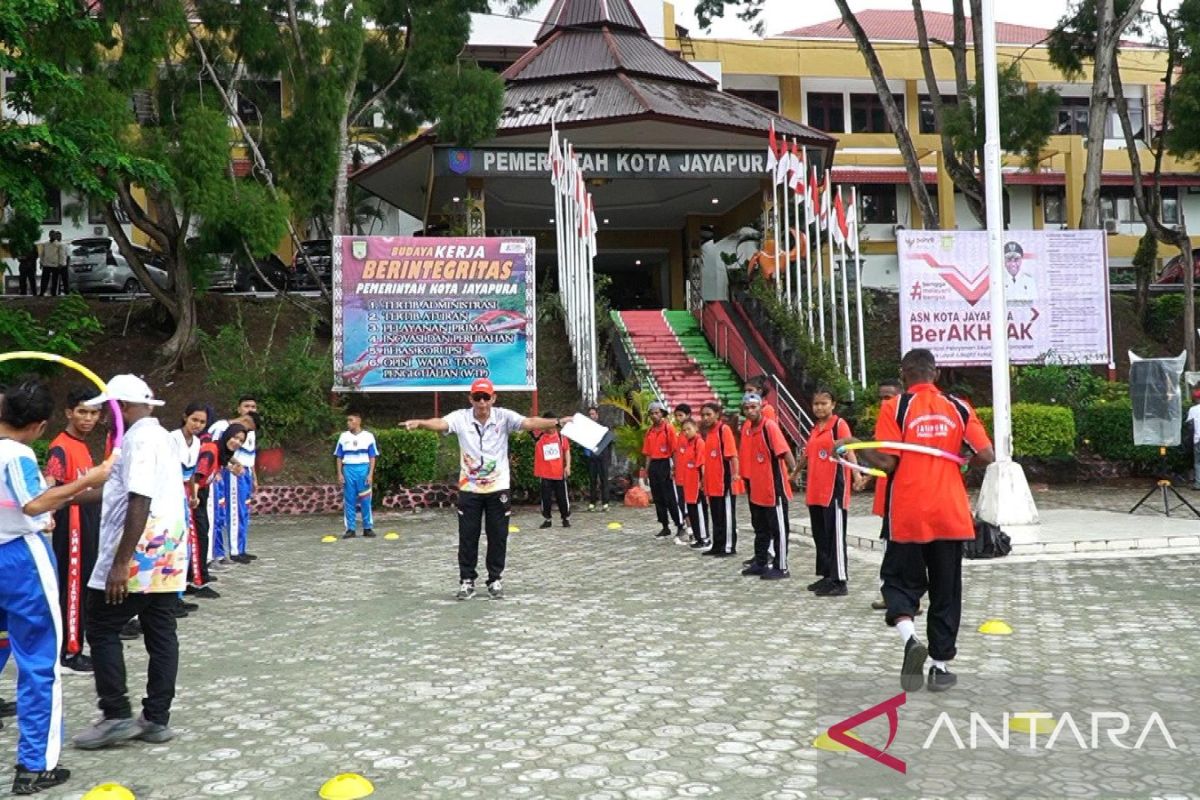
[[552, 464], [483, 479], [597, 461]]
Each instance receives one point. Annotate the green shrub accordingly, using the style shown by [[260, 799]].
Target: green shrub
[[819, 365], [1039, 431], [520, 458], [406, 458], [1164, 317], [1057, 385], [68, 329], [1107, 430]]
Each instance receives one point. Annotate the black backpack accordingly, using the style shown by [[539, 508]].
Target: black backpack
[[989, 542]]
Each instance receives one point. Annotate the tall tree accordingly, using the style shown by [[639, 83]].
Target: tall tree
[[1027, 113]]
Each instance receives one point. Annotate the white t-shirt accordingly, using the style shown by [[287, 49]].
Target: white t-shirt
[[149, 466], [188, 454], [1194, 418], [483, 448], [22, 481], [356, 448]]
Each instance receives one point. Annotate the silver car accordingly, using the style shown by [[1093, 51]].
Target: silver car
[[111, 274]]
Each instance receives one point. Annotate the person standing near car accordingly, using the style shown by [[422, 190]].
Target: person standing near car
[[55, 259], [27, 264], [484, 479]]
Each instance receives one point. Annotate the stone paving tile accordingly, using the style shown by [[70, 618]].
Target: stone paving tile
[[618, 667]]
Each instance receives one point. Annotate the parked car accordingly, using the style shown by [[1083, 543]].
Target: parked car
[[103, 249], [234, 274], [112, 274], [320, 253], [1172, 271]]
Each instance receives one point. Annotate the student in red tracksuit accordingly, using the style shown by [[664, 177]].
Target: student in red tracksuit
[[828, 495], [552, 463], [767, 463], [721, 474], [76, 535], [682, 412], [657, 447], [689, 475], [887, 389]]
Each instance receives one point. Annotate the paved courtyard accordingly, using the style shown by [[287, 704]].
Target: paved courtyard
[[620, 666]]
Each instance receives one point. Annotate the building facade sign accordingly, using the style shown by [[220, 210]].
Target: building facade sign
[[1056, 290], [535, 163]]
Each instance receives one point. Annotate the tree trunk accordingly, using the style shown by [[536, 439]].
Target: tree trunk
[[186, 337], [895, 118]]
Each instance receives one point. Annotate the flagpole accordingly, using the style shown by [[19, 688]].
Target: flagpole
[[593, 397], [807, 247], [846, 304], [775, 226], [786, 277], [826, 210], [858, 312], [798, 305], [820, 267]]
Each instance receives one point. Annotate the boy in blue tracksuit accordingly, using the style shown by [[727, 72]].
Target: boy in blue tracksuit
[[29, 590], [356, 453]]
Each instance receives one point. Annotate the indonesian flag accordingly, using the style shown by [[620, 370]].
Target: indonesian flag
[[772, 151], [799, 168], [591, 221], [580, 200], [812, 199], [839, 226], [826, 191], [555, 158], [852, 222]]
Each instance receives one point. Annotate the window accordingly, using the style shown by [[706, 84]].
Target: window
[[877, 204], [867, 114], [1137, 120], [928, 119], [1073, 116], [257, 100], [826, 112], [1054, 206], [54, 213], [766, 98], [1170, 199]]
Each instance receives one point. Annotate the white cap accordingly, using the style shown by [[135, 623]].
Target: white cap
[[127, 389]]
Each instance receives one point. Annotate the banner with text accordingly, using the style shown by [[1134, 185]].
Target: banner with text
[[1056, 289], [417, 314]]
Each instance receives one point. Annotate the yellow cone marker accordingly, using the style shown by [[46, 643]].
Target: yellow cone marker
[[513, 529], [1023, 723], [996, 627], [346, 786], [615, 526], [329, 539], [391, 536], [824, 742], [109, 791]]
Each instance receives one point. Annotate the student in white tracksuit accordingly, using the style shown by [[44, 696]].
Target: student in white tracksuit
[[29, 591]]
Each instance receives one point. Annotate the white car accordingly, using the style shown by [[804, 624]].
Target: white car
[[111, 274]]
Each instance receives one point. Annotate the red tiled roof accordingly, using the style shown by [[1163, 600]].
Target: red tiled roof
[[899, 26]]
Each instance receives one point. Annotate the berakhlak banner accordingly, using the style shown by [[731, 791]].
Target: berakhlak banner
[[1056, 292], [422, 314]]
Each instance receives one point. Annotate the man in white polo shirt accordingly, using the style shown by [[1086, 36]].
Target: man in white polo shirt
[[483, 479], [141, 568]]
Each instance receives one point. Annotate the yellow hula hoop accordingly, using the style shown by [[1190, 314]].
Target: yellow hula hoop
[[874, 472], [54, 358], [906, 447]]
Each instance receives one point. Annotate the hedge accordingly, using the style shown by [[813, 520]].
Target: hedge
[[1038, 431], [1107, 430]]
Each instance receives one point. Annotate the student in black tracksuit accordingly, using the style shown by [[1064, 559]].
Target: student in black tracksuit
[[658, 447], [597, 461]]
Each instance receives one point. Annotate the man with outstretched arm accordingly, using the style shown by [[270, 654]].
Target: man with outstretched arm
[[928, 516], [483, 479]]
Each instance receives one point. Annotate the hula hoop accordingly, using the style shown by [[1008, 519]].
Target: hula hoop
[[905, 446], [872, 471], [34, 355]]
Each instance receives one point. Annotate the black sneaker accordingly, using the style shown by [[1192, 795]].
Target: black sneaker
[[754, 569], [190, 607], [879, 604], [29, 782], [211, 579], [250, 556], [545, 524], [912, 673], [346, 535], [775, 574], [78, 663], [369, 533], [242, 559], [747, 562], [681, 531], [496, 589], [208, 593], [833, 589], [179, 612], [132, 629], [941, 679], [662, 533], [566, 523], [7, 708], [466, 590], [821, 583], [700, 544]]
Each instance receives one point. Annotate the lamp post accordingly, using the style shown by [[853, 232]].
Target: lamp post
[[1004, 499]]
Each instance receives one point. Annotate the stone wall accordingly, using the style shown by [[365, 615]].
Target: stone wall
[[327, 499]]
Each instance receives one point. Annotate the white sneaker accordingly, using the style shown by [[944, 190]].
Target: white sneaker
[[466, 590], [681, 539], [496, 589]]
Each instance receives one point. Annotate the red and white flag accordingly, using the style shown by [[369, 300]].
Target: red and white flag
[[772, 151], [826, 191], [839, 223], [852, 222], [812, 198]]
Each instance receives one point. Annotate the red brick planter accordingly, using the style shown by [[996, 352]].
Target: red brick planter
[[327, 499]]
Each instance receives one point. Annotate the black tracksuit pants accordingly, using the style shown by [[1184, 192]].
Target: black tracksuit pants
[[203, 525], [771, 533], [698, 517], [598, 478], [662, 488], [555, 491], [156, 610], [908, 571], [478, 512], [724, 522]]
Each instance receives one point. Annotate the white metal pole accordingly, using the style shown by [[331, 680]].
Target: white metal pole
[[820, 271], [827, 206], [845, 305], [858, 312], [801, 233], [775, 226], [786, 277], [808, 283]]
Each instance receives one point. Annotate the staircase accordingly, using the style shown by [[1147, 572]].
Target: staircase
[[671, 355]]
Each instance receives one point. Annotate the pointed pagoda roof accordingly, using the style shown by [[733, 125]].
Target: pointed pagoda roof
[[580, 14]]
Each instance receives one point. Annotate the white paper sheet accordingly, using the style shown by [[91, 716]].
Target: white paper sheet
[[584, 431]]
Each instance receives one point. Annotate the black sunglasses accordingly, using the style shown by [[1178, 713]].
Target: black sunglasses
[[480, 396]]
